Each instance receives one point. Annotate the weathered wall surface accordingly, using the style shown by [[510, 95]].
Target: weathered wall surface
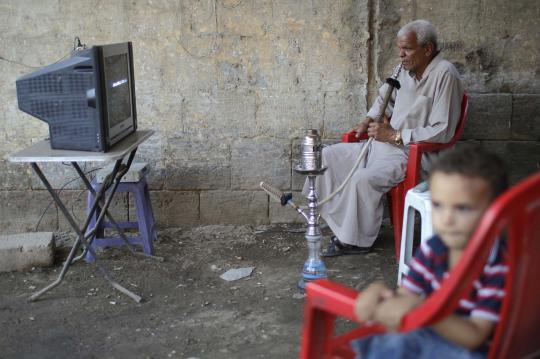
[[230, 86]]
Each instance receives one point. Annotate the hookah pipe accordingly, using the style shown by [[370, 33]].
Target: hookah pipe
[[310, 164]]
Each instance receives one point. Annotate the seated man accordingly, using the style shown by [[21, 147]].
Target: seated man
[[425, 108]]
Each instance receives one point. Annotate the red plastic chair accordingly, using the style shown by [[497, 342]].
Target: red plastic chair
[[516, 213], [396, 196]]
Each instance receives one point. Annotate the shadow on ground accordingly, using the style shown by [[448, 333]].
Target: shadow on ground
[[188, 310]]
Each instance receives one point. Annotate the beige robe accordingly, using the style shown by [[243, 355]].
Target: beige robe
[[424, 110]]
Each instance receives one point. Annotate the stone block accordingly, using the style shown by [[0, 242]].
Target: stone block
[[340, 113], [521, 157], [233, 20], [14, 176], [197, 150], [26, 250], [175, 208], [234, 207], [260, 159], [288, 114], [488, 117], [22, 211], [220, 113], [35, 210], [247, 62], [526, 117], [197, 177], [152, 151]]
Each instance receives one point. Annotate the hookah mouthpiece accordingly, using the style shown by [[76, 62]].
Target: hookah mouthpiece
[[392, 81], [276, 194]]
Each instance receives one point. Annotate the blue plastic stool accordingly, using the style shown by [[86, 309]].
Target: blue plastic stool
[[145, 219]]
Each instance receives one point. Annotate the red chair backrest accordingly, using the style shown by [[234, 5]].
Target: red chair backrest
[[462, 118], [519, 335], [516, 213]]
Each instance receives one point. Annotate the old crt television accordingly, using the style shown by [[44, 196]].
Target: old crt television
[[88, 99]]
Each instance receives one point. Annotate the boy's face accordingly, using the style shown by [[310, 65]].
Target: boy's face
[[458, 203]]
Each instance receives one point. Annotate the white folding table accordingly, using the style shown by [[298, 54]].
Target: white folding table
[[42, 152]]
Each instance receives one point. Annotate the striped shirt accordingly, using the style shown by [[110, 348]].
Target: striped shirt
[[429, 268]]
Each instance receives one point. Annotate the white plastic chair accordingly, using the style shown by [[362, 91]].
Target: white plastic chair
[[417, 199]]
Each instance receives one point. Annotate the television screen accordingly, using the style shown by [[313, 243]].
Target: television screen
[[118, 98], [88, 100]]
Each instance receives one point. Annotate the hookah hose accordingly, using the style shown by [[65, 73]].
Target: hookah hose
[[392, 83]]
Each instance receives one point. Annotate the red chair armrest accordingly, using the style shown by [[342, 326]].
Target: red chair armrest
[[325, 301], [350, 137], [332, 298], [423, 147]]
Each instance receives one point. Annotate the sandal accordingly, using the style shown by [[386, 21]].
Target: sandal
[[336, 248]]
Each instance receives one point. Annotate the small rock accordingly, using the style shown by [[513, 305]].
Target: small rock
[[235, 274]]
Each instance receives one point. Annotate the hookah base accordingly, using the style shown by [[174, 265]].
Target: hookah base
[[312, 273], [303, 282]]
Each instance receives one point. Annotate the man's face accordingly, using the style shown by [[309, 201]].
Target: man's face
[[458, 203], [414, 57]]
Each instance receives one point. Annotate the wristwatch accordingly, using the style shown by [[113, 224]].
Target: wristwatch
[[398, 141]]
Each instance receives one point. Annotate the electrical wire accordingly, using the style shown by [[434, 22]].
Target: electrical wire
[[52, 201]]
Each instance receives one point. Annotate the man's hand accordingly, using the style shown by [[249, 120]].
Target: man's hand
[[382, 132], [362, 127], [369, 300]]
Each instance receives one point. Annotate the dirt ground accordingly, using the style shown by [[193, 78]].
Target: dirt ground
[[188, 311]]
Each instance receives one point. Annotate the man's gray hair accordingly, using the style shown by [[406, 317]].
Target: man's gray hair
[[424, 30]]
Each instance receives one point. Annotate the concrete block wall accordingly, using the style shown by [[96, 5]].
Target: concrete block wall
[[230, 86]]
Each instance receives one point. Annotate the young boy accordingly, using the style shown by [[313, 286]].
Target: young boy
[[463, 183]]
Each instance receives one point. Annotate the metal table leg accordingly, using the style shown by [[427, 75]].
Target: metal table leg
[[80, 232]]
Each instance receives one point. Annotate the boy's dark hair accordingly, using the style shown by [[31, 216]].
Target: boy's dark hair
[[472, 160]]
